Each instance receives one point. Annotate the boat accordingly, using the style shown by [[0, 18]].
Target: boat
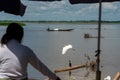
[[57, 29], [87, 35]]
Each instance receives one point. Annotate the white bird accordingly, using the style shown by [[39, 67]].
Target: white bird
[[65, 48], [107, 78]]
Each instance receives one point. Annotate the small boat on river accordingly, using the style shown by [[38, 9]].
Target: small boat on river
[[87, 35], [57, 29]]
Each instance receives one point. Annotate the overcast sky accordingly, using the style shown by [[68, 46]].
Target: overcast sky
[[63, 10]]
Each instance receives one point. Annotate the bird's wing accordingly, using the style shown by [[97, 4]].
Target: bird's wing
[[64, 50]]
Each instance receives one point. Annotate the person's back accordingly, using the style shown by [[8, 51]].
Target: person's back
[[14, 60], [14, 57]]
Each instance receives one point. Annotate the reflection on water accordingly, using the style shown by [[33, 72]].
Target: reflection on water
[[48, 47]]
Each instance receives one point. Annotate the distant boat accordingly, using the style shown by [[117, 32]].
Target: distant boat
[[87, 35], [56, 29]]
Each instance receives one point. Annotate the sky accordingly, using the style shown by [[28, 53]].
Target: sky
[[64, 11]]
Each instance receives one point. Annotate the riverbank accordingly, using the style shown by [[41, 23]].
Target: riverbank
[[75, 22], [5, 22]]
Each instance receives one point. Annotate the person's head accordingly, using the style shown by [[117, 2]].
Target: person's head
[[13, 31]]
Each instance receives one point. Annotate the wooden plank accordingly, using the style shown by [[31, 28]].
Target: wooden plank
[[117, 76], [70, 68]]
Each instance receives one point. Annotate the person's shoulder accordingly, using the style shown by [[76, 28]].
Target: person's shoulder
[[28, 51], [26, 48]]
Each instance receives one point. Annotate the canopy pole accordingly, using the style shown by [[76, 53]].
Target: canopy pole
[[98, 72]]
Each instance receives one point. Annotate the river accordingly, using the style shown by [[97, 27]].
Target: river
[[48, 47]]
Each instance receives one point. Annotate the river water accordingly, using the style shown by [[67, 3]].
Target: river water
[[48, 47]]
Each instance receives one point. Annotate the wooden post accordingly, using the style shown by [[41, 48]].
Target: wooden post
[[98, 72], [117, 76], [70, 65]]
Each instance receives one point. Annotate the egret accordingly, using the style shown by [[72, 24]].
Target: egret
[[65, 48], [107, 78]]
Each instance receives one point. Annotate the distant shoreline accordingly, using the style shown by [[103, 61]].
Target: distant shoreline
[[6, 22]]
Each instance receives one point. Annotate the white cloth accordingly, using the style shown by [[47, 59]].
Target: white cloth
[[14, 58]]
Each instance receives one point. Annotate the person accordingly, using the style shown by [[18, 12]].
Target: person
[[14, 56]]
